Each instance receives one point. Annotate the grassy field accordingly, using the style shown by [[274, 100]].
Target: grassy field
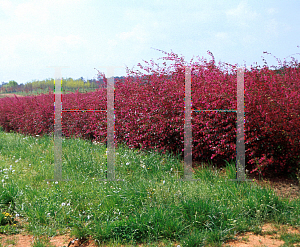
[[150, 205], [46, 91]]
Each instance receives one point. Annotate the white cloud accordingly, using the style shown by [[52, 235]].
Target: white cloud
[[16, 49], [272, 27], [136, 14], [8, 47], [37, 11], [45, 43], [222, 35], [276, 28], [221, 38], [272, 11], [6, 5], [242, 14], [32, 11], [137, 33], [249, 39], [59, 42]]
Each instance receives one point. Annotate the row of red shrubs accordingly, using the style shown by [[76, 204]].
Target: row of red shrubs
[[149, 113]]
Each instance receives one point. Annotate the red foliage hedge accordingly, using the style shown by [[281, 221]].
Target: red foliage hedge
[[149, 112]]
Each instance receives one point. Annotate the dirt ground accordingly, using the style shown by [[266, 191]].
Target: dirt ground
[[22, 240], [267, 237]]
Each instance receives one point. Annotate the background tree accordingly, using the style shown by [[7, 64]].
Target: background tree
[[12, 83], [11, 86]]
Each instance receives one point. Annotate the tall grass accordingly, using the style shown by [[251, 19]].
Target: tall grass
[[150, 205]]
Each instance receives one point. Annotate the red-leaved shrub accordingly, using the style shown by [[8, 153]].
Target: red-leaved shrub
[[149, 112]]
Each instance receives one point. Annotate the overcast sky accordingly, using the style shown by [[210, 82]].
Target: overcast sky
[[88, 34]]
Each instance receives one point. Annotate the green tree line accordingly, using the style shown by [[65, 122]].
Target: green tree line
[[68, 84]]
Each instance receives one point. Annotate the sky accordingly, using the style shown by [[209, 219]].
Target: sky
[[82, 35]]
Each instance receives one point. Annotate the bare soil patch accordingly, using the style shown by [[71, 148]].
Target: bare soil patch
[[269, 236], [22, 240]]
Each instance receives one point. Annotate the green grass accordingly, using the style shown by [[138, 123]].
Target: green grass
[[34, 92], [150, 206], [46, 91]]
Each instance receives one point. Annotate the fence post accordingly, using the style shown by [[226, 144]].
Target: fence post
[[240, 145], [110, 127], [240, 139], [57, 126]]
